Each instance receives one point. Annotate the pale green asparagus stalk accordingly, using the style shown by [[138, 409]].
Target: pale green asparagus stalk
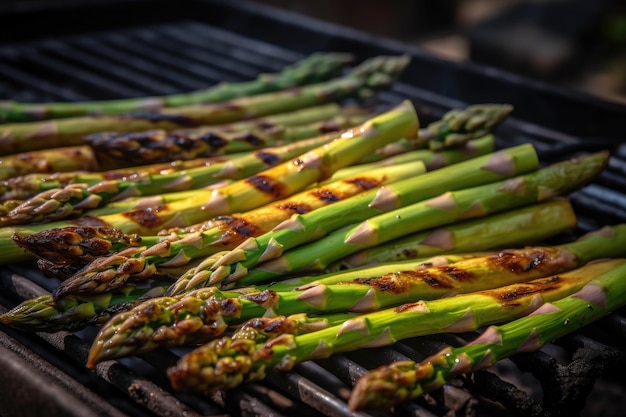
[[360, 295], [45, 314], [226, 363], [223, 232], [481, 170], [315, 68], [557, 179], [274, 183], [389, 385], [375, 73], [510, 228]]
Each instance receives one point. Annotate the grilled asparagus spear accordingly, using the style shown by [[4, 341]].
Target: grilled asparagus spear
[[316, 67], [401, 381], [375, 73], [225, 363], [159, 145]]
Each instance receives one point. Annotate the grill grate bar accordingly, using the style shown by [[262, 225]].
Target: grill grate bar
[[108, 68]]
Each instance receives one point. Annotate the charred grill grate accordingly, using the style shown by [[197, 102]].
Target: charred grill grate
[[166, 54]]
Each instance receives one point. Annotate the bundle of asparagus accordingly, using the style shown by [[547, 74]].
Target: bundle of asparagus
[[314, 68], [373, 74], [238, 249], [401, 381]]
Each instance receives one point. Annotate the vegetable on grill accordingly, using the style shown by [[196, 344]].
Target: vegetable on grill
[[375, 73], [205, 313], [81, 245], [254, 191], [314, 68], [389, 385], [446, 208], [223, 232], [226, 363]]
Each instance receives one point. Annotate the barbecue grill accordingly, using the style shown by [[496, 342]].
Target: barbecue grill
[[102, 51]]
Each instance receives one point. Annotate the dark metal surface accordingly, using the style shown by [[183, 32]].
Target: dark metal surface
[[100, 50]]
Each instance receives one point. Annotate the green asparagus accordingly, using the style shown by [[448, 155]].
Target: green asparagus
[[449, 207], [71, 158], [375, 73], [401, 381], [303, 228], [360, 295], [522, 226], [159, 145], [225, 363], [222, 232], [316, 67], [274, 183]]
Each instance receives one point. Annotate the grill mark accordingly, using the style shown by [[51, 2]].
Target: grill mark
[[330, 126], [213, 140], [264, 298], [145, 217], [267, 185], [268, 158], [508, 297], [235, 230], [299, 208], [252, 139], [365, 183], [325, 195]]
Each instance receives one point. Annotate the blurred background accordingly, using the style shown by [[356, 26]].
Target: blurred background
[[579, 44]]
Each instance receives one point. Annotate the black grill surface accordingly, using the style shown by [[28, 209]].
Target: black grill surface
[[100, 52]]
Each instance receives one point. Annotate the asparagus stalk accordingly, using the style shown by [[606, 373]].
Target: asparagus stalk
[[315, 68], [481, 170], [226, 363], [401, 381], [71, 158], [449, 207], [458, 126], [360, 295], [77, 198], [25, 186], [221, 233], [45, 314], [159, 145], [529, 224], [276, 182], [375, 73]]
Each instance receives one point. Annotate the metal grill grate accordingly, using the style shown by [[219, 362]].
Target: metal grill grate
[[186, 54]]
